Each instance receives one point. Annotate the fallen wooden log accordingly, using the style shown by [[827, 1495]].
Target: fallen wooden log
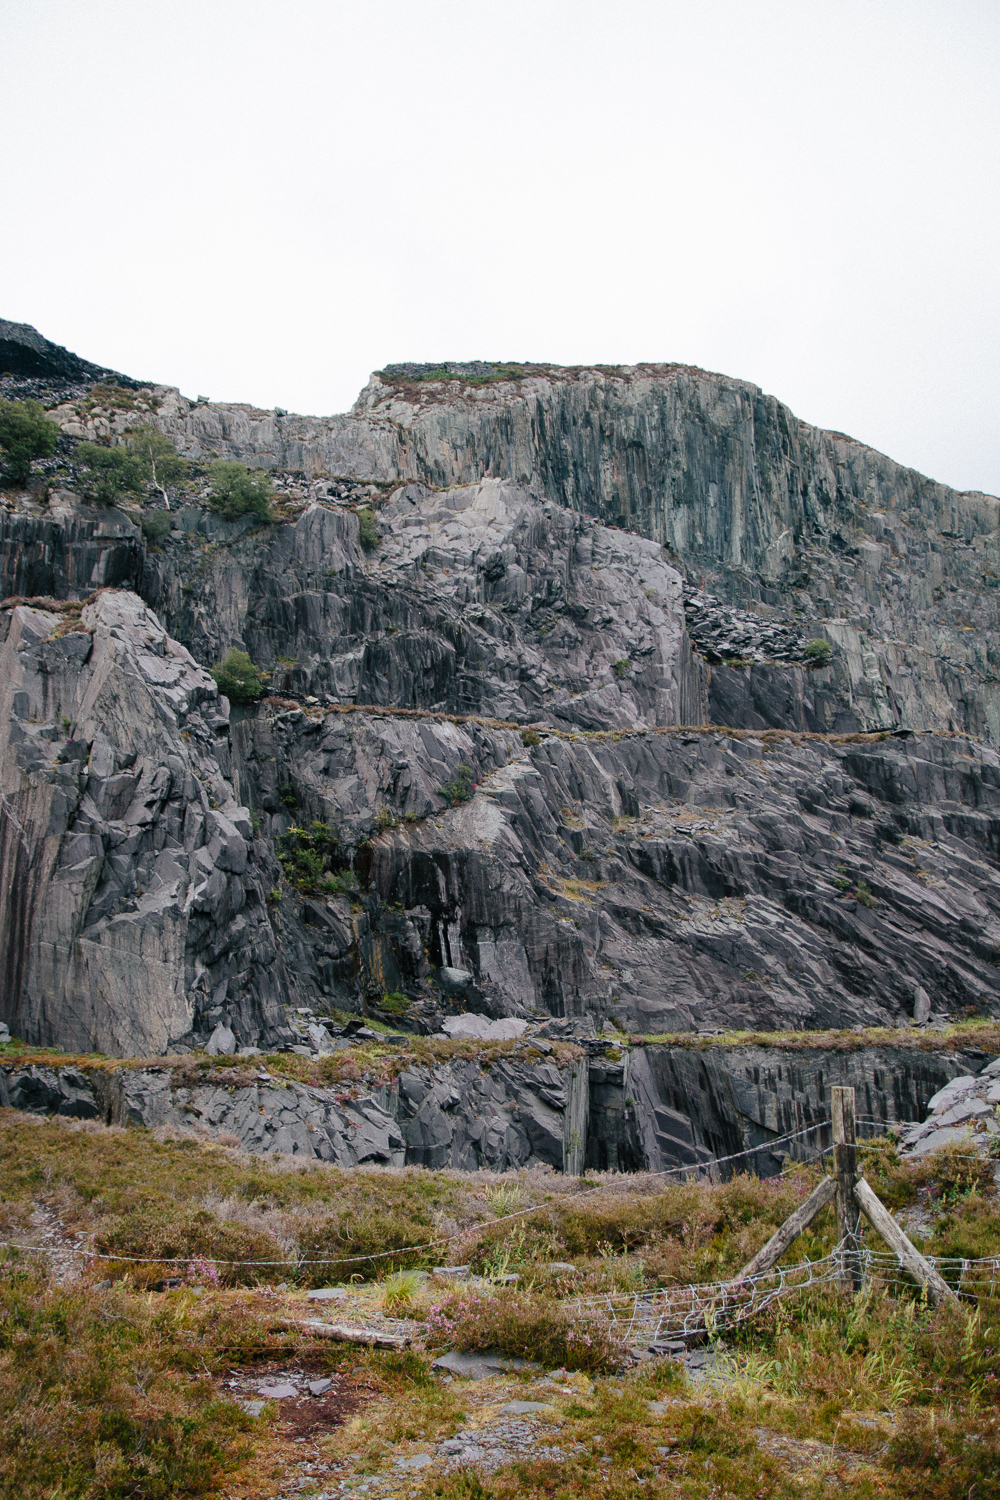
[[339, 1332]]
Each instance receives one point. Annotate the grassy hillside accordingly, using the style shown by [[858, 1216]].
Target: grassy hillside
[[118, 1377]]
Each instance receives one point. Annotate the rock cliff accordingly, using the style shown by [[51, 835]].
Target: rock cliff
[[130, 899], [808, 528], [655, 1108], [488, 605]]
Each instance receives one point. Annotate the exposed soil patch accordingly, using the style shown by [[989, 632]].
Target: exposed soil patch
[[302, 1415]]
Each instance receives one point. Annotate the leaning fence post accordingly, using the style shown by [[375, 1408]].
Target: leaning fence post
[[845, 1166]]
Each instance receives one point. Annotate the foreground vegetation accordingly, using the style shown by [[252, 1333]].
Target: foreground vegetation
[[117, 1382]]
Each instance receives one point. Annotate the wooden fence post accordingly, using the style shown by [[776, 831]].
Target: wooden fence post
[[910, 1259], [845, 1167]]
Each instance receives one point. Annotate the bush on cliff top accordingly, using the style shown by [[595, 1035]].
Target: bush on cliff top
[[25, 433], [237, 491], [112, 473]]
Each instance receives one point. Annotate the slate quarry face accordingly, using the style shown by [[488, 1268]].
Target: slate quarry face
[[487, 713]]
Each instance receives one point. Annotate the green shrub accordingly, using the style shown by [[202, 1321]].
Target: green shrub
[[368, 532], [110, 474], [395, 1002], [25, 433], [306, 855], [863, 894], [237, 491], [460, 788], [622, 667], [237, 677], [817, 652], [155, 525], [530, 737]]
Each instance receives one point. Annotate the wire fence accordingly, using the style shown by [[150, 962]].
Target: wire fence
[[675, 1312], [689, 1171]]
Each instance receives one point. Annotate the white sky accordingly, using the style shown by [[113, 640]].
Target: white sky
[[263, 200]]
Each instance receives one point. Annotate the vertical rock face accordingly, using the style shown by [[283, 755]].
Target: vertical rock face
[[670, 881], [67, 549], [477, 694], [899, 573], [130, 906], [486, 599], [692, 1104]]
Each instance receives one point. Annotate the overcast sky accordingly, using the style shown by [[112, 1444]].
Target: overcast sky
[[263, 200]]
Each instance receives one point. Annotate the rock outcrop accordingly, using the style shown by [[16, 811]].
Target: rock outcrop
[[487, 605], [131, 908], [666, 880], [654, 1108], [804, 527], [966, 1111]]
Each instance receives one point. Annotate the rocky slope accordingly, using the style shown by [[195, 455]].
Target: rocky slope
[[655, 1108], [482, 713]]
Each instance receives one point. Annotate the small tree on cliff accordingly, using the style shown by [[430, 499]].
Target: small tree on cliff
[[238, 678], [25, 433], [146, 457], [158, 458], [109, 474], [238, 491]]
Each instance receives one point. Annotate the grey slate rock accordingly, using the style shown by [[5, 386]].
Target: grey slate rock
[[480, 1366], [683, 881]]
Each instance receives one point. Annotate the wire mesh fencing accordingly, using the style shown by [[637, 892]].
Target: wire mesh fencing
[[676, 1312]]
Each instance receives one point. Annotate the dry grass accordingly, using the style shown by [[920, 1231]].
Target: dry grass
[[104, 1397], [956, 1037], [119, 1392]]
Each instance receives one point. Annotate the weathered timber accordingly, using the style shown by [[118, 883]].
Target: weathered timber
[[910, 1258], [793, 1226], [845, 1166], [341, 1334]]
